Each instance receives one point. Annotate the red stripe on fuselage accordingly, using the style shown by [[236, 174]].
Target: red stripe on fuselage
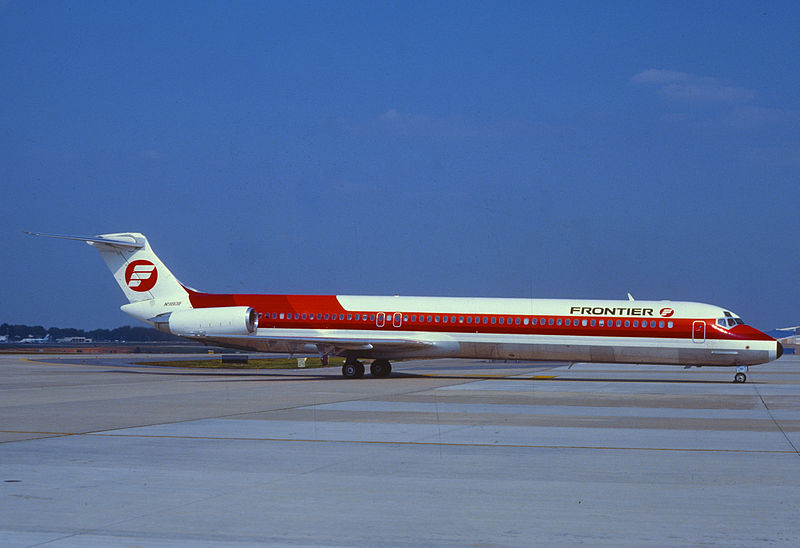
[[313, 305]]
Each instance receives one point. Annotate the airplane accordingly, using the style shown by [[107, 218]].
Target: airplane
[[360, 327], [30, 339]]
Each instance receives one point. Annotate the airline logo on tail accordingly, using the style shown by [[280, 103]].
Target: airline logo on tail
[[141, 275]]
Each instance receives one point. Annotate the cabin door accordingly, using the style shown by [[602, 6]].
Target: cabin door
[[699, 332]]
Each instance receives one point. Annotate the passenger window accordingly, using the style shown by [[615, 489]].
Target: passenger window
[[550, 321], [430, 318], [583, 323], [326, 316], [592, 323], [525, 321], [349, 317], [652, 323], [436, 319], [669, 325], [461, 319], [281, 317], [494, 320], [619, 323], [371, 317], [661, 324], [305, 315], [568, 322], [405, 318], [518, 321], [628, 323], [444, 319], [452, 319], [635, 323], [534, 321], [601, 323], [469, 319], [558, 321], [485, 319], [502, 321]]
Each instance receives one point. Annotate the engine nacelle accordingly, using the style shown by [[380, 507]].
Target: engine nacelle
[[208, 322]]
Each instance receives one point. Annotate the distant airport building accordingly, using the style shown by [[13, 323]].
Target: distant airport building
[[789, 338], [789, 335], [74, 340]]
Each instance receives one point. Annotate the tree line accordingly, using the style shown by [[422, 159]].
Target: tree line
[[125, 333]]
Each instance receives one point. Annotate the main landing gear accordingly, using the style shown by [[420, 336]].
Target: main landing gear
[[354, 369], [380, 369], [740, 376]]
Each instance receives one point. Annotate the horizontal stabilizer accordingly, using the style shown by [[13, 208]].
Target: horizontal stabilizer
[[122, 241]]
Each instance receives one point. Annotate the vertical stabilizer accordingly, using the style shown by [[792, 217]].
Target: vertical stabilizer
[[139, 272]]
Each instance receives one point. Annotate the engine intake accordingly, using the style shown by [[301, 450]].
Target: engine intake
[[207, 322]]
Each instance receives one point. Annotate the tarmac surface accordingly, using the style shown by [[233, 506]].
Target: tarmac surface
[[98, 451]]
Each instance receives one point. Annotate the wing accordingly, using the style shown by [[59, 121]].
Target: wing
[[333, 344]]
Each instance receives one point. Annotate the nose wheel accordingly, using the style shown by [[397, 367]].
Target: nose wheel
[[740, 376]]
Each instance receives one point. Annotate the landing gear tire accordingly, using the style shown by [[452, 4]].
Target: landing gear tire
[[353, 370], [380, 369], [739, 378]]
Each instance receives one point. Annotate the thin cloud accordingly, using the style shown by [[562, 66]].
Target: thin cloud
[[394, 122], [750, 116], [784, 155], [658, 76], [682, 86]]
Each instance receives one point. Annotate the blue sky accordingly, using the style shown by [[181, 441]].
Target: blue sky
[[553, 149]]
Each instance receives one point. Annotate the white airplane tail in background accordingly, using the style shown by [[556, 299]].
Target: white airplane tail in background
[[139, 272]]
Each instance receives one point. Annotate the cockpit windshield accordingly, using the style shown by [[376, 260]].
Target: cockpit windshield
[[729, 320]]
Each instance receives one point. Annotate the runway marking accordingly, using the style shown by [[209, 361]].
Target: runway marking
[[419, 443], [47, 433], [511, 377]]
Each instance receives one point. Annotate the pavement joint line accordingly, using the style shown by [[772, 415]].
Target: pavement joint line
[[423, 443], [777, 424]]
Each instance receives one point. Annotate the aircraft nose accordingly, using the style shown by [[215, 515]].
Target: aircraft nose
[[780, 351]]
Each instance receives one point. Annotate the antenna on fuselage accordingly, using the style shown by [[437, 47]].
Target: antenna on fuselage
[[630, 297]]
